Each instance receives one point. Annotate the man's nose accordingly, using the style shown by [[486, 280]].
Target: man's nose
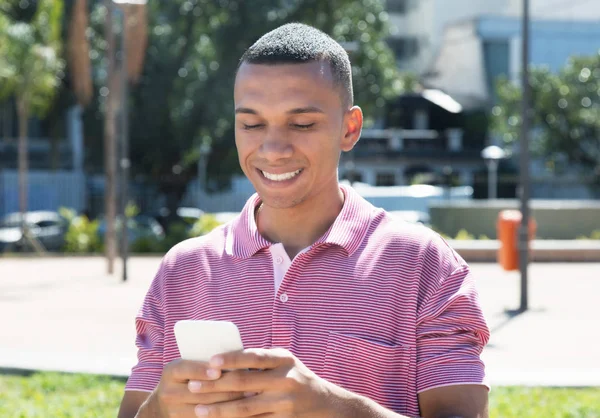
[[276, 146]]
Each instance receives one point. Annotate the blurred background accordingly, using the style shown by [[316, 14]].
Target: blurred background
[[439, 82], [117, 115]]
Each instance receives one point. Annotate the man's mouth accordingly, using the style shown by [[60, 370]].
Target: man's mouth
[[281, 177]]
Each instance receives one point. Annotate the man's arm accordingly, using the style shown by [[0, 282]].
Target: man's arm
[[457, 401], [131, 403]]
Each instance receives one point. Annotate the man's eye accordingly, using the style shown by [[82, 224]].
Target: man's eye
[[250, 127], [304, 127]]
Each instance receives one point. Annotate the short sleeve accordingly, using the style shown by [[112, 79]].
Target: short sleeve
[[149, 325], [451, 328]]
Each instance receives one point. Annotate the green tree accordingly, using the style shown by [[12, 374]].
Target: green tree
[[185, 95], [30, 69], [565, 116]]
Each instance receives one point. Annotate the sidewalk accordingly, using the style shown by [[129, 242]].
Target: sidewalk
[[66, 314]]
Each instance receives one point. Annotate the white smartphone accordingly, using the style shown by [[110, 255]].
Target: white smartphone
[[201, 340]]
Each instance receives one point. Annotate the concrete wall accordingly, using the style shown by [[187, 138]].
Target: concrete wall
[[555, 219]]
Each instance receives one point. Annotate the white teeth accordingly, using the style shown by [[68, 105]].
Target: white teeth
[[281, 177]]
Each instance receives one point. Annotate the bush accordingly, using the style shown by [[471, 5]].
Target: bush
[[147, 245], [82, 234], [595, 235], [463, 235], [204, 225]]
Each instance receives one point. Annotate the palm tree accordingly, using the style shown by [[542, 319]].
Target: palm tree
[[135, 19], [30, 69]]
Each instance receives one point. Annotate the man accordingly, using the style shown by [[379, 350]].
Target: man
[[344, 311]]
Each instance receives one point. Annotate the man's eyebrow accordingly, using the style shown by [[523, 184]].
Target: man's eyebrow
[[296, 111], [246, 110], [308, 109]]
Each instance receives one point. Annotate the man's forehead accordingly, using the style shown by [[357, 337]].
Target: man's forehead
[[249, 72]]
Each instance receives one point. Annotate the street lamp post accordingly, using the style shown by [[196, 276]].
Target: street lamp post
[[492, 156], [524, 162], [125, 162]]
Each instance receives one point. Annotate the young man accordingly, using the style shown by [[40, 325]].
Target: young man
[[344, 311]]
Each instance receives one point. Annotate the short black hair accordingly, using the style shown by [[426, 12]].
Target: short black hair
[[300, 43]]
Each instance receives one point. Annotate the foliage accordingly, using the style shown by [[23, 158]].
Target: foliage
[[463, 234], [148, 245], [31, 67], [87, 396], [177, 232], [185, 95], [82, 234], [595, 235], [131, 210], [565, 116], [204, 225]]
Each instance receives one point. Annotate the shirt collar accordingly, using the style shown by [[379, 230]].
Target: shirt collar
[[348, 230]]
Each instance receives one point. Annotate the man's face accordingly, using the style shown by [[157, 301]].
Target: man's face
[[290, 127]]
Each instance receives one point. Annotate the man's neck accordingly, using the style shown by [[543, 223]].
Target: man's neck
[[301, 226]]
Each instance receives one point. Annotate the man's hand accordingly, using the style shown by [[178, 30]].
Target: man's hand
[[275, 383], [174, 397]]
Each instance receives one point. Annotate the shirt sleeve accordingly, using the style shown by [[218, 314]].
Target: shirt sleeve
[[149, 325], [451, 328]]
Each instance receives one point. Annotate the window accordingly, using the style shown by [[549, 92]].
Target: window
[[497, 57], [7, 120], [399, 6], [385, 179], [404, 48]]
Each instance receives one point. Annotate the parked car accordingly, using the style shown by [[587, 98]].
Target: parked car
[[187, 216], [48, 227], [140, 226]]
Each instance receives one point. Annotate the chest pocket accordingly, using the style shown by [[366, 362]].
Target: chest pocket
[[375, 370]]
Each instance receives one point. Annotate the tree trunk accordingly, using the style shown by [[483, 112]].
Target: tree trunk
[[23, 161], [110, 146]]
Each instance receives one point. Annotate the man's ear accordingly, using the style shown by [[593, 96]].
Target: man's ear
[[353, 122]]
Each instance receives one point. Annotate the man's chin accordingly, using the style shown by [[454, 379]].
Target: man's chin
[[280, 202]]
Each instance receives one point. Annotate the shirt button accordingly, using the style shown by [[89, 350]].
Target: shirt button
[[279, 260], [283, 298]]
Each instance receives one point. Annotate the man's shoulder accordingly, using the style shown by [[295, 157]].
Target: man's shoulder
[[197, 249], [388, 228], [411, 240]]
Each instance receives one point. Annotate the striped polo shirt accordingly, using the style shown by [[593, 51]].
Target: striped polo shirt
[[378, 306]]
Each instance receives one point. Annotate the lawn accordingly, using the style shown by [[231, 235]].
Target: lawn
[[83, 396]]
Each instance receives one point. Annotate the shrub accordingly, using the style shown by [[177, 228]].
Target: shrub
[[463, 234], [82, 234], [204, 225]]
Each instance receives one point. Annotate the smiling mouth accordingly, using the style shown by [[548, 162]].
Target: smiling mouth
[[281, 177]]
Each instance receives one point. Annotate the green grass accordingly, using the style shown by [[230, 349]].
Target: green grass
[[53, 395], [508, 402], [84, 396]]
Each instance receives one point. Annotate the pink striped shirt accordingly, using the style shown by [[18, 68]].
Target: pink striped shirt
[[381, 307]]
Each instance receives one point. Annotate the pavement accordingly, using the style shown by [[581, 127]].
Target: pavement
[[66, 314]]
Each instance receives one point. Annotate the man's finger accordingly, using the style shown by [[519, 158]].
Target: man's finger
[[213, 398], [184, 370], [181, 394], [239, 381], [252, 359], [260, 405]]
